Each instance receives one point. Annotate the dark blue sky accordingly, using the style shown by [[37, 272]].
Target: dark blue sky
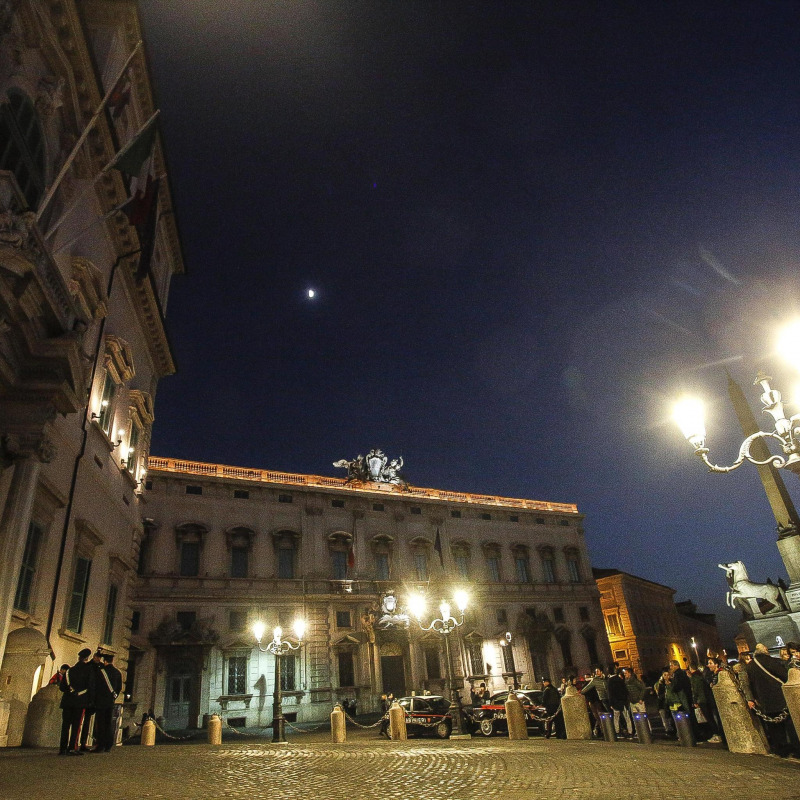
[[531, 226]]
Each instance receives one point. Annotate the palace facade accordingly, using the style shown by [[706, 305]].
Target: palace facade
[[225, 547], [82, 340]]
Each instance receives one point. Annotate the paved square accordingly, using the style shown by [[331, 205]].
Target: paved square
[[310, 767]]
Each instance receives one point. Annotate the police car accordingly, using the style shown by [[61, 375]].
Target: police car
[[491, 717], [427, 715]]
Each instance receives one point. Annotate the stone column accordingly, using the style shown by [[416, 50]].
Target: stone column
[[791, 691], [16, 518], [742, 730]]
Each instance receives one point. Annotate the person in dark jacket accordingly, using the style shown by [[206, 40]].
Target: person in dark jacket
[[107, 689], [95, 664], [618, 700], [78, 692], [766, 676], [596, 695], [551, 700]]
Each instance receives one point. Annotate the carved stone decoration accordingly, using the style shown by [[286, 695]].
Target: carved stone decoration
[[15, 228], [88, 289], [751, 596], [50, 95], [374, 468], [119, 359], [391, 616]]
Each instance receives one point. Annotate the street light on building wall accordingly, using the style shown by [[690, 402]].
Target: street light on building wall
[[278, 647], [696, 657], [689, 415], [445, 625], [509, 648]]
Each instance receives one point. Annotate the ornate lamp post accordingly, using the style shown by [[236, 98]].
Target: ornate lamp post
[[689, 416], [445, 625], [505, 642], [278, 647]]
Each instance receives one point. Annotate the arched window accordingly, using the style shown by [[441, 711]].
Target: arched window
[[340, 544], [381, 545], [190, 538], [22, 148], [420, 549], [548, 564], [573, 564], [563, 637]]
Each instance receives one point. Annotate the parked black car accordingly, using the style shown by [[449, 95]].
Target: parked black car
[[426, 715], [491, 717]]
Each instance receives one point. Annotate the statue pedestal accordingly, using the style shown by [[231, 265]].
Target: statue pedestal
[[793, 596], [767, 629]]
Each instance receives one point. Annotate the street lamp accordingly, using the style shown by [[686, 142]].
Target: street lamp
[[689, 416], [696, 657], [505, 642], [445, 625], [278, 647]]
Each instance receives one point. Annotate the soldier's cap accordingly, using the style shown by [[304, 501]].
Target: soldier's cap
[[546, 679], [85, 653], [108, 657]]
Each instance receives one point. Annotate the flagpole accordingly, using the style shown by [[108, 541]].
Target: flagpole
[[82, 138], [55, 226]]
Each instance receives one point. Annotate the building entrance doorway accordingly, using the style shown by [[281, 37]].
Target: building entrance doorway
[[394, 675], [179, 693]]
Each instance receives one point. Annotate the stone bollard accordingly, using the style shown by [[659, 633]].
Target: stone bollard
[[338, 725], [607, 726], [791, 692], [397, 723], [214, 729], [515, 717], [576, 714], [149, 733], [743, 731]]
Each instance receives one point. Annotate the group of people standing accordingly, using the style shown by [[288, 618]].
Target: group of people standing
[[620, 692], [90, 689]]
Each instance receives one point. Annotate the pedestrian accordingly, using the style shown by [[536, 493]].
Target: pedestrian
[[714, 666], [794, 654], [386, 704], [618, 701], [636, 689], [59, 676], [551, 700], [767, 676], [660, 689], [702, 705], [107, 690], [78, 691], [596, 695]]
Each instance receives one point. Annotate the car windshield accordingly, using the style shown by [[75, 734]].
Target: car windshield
[[405, 702]]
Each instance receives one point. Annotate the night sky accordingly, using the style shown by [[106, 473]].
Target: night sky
[[531, 226]]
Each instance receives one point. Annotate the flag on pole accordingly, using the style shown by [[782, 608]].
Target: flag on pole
[[351, 552], [119, 99], [437, 546], [131, 158], [147, 229]]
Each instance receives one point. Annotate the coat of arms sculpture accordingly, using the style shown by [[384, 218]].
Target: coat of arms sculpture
[[375, 467]]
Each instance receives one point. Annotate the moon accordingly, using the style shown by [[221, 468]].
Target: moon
[[311, 294]]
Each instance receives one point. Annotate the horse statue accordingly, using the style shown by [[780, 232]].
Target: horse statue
[[749, 593]]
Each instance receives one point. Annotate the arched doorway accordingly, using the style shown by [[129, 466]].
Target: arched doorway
[[23, 663]]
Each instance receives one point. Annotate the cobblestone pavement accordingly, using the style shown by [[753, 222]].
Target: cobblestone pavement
[[311, 768]]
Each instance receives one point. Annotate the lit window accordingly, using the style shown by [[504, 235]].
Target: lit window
[[288, 670], [237, 675]]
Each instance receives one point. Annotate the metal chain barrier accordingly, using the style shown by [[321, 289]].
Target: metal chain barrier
[[242, 733], [364, 727], [310, 730], [177, 738], [546, 719], [760, 714]]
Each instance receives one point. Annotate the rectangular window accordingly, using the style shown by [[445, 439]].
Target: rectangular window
[[501, 616], [416, 510], [241, 494], [133, 443], [190, 559], [144, 553], [284, 498], [239, 558], [377, 507], [486, 516], [285, 562], [455, 514], [433, 666], [540, 520], [548, 569], [475, 652], [564, 523], [382, 566], [613, 625], [186, 619], [237, 675], [583, 613], [523, 570], [136, 621], [27, 570], [347, 673], [558, 615], [620, 654], [337, 503], [194, 490], [421, 566], [574, 570], [111, 612], [344, 619], [107, 404], [80, 587], [288, 668], [493, 565], [462, 565], [148, 485], [237, 621], [508, 658], [339, 559]]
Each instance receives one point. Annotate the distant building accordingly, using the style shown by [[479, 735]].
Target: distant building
[[227, 546], [82, 339], [645, 627]]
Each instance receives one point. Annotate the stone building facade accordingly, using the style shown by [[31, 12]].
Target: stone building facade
[[645, 627], [228, 546], [82, 340]]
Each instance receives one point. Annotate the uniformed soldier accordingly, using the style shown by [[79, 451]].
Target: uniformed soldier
[[78, 689], [109, 686]]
